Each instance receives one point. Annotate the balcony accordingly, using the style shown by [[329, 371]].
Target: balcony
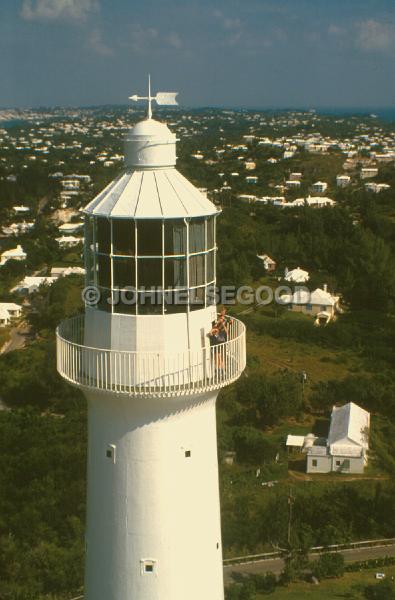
[[156, 374]]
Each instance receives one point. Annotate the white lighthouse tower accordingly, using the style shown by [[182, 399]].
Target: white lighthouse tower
[[143, 359]]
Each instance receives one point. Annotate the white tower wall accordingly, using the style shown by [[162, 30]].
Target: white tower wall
[[151, 500]]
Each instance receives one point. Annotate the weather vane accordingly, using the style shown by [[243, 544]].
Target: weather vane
[[161, 98]]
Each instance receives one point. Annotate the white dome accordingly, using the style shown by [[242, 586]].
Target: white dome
[[150, 144], [150, 127]]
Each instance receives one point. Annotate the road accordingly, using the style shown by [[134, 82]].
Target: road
[[17, 339], [276, 565]]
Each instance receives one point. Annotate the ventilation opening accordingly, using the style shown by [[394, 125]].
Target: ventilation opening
[[148, 566], [110, 452]]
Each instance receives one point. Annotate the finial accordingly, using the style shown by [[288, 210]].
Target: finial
[[161, 98]]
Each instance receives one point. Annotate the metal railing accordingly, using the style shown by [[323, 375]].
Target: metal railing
[[149, 373]]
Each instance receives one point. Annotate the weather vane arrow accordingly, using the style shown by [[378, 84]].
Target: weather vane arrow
[[161, 98]]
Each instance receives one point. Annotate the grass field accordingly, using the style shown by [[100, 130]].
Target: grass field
[[348, 587], [320, 364]]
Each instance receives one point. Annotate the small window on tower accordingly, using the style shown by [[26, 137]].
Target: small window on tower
[[148, 566], [187, 453], [110, 452]]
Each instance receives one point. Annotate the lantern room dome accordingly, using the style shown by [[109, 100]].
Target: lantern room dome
[[150, 145]]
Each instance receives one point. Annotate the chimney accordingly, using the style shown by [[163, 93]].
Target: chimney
[[325, 287]]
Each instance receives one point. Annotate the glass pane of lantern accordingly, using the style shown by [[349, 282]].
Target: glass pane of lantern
[[123, 237], [103, 235], [150, 303], [196, 270], [88, 251], [210, 266], [149, 272], [175, 237], [176, 301], [175, 272], [149, 238], [210, 232], [197, 235], [123, 272], [104, 272], [105, 300], [197, 298]]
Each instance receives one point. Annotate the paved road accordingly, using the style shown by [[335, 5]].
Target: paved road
[[276, 565], [17, 339]]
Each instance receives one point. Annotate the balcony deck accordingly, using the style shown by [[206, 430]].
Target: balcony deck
[[156, 374]]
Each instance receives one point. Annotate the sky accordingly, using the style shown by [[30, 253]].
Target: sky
[[245, 53]]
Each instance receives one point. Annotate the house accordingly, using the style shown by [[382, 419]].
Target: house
[[29, 285], [319, 187], [343, 180], [377, 187], [13, 254], [68, 241], [296, 275], [368, 172], [57, 272], [71, 184], [295, 176], [251, 179], [346, 449], [70, 227], [9, 311], [250, 165], [292, 184], [268, 263], [319, 303], [17, 228], [21, 210], [312, 201]]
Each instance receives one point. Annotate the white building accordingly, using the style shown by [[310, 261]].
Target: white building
[[68, 241], [9, 311], [376, 188], [320, 303], [297, 275], [70, 227], [368, 172], [151, 380], [343, 180], [292, 184], [65, 271], [346, 449], [319, 187], [268, 263], [29, 285], [13, 254], [21, 210], [296, 176]]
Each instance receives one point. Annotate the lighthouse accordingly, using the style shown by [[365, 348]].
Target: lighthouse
[[141, 354]]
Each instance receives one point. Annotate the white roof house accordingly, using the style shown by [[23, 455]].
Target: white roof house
[[297, 275], [320, 187], [346, 449], [317, 297], [348, 433], [31, 284], [13, 254], [8, 311], [70, 227], [68, 241], [268, 263], [65, 271], [5, 317]]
